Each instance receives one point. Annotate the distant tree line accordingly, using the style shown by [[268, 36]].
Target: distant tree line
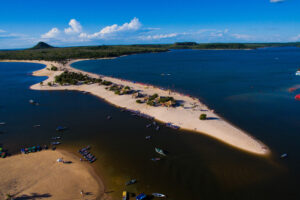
[[43, 51]]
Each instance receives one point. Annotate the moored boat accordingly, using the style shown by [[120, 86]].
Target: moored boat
[[125, 195], [284, 155], [159, 195], [61, 128], [297, 97], [132, 181], [160, 151], [141, 196], [155, 159]]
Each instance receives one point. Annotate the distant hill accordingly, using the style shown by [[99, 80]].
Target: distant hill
[[42, 45]]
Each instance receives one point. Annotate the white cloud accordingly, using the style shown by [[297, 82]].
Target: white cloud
[[2, 31], [159, 36], [75, 27], [133, 25], [296, 38], [54, 32], [241, 36], [276, 1]]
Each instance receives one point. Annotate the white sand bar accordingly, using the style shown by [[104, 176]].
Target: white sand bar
[[186, 116], [39, 176]]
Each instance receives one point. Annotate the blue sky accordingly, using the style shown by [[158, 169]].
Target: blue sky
[[96, 22]]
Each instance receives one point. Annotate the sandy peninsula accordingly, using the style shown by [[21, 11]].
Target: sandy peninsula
[[185, 116], [39, 175]]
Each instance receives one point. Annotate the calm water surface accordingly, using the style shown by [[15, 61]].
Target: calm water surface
[[248, 88]]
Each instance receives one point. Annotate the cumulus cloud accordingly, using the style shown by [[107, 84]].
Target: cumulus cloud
[[53, 33], [159, 36], [132, 26], [276, 1], [75, 27]]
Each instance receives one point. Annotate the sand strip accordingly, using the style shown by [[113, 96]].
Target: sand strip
[[186, 116], [39, 175]]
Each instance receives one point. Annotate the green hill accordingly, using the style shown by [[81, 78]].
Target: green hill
[[42, 45]]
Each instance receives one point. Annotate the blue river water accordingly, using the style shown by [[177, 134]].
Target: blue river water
[[248, 88]]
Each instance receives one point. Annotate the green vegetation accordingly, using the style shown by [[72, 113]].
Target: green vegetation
[[139, 101], [42, 45], [74, 78], [66, 53], [107, 83], [165, 99], [41, 83], [203, 117], [53, 68], [153, 97], [150, 103], [118, 92], [49, 83], [43, 51]]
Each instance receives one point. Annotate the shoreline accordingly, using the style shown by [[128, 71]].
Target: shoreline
[[216, 127], [40, 175]]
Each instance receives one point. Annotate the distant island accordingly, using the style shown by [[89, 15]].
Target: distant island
[[44, 51]]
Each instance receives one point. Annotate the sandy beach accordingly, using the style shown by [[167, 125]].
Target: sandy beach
[[39, 175], [185, 116]]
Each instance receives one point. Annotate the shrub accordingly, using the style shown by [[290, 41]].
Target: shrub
[[117, 92], [150, 103], [154, 96], [53, 68], [41, 83], [127, 88], [49, 83], [139, 101], [202, 117], [106, 83], [165, 99]]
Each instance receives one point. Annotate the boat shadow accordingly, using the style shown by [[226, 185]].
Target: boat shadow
[[33, 196]]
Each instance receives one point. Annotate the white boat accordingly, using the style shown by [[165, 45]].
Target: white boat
[[298, 73], [2, 123], [159, 195]]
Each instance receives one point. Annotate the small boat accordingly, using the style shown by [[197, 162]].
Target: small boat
[[154, 123], [2, 123], [125, 195], [148, 125], [35, 126], [33, 102], [170, 125], [61, 128], [159, 195], [284, 155], [2, 154], [132, 181], [141, 196], [56, 138], [155, 159], [108, 117], [55, 143], [160, 151], [157, 128], [297, 97], [298, 72], [148, 137]]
